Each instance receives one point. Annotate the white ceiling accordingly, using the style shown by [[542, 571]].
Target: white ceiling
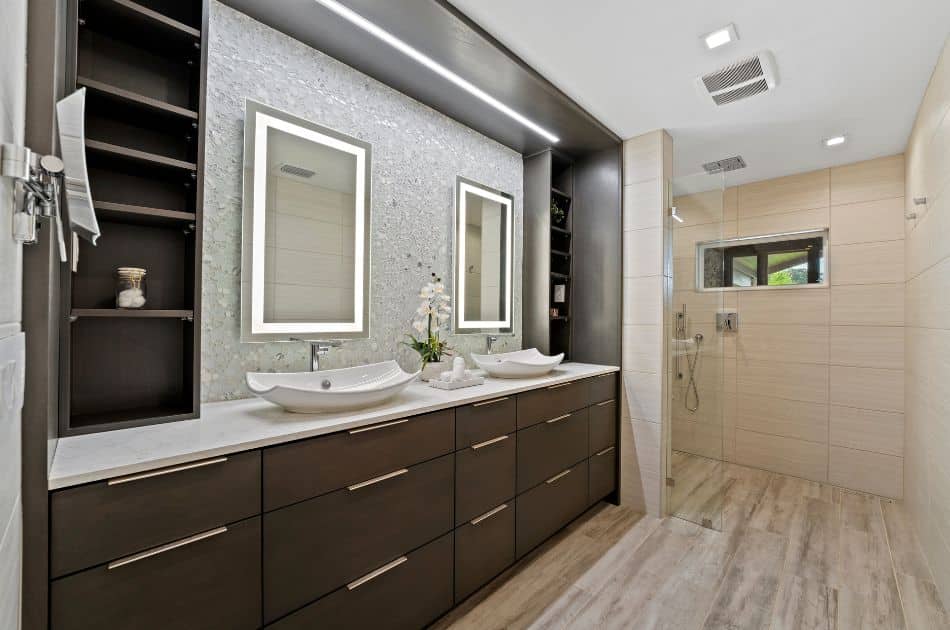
[[858, 67]]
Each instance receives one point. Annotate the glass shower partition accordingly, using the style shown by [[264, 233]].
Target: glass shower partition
[[696, 396]]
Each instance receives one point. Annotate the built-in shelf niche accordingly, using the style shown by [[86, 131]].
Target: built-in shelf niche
[[141, 63]]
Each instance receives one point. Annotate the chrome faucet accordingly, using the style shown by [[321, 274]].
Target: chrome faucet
[[490, 342], [317, 350]]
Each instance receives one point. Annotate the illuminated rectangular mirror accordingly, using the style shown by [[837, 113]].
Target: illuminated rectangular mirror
[[306, 237], [483, 258], [790, 260]]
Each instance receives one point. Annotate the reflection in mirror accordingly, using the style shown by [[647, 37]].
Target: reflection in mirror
[[483, 258], [305, 262], [759, 262]]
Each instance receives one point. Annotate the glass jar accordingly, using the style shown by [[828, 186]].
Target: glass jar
[[130, 291]]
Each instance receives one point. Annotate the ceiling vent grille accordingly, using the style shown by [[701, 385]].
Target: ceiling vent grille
[[297, 171], [740, 80], [725, 165]]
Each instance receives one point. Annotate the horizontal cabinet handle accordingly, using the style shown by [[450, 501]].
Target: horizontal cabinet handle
[[558, 419], [557, 476], [372, 575], [496, 440], [160, 550], [374, 480], [605, 403], [378, 426], [488, 514], [559, 385], [490, 402], [165, 471], [604, 452]]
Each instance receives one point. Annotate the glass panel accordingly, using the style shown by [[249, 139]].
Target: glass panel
[[781, 260], [695, 463]]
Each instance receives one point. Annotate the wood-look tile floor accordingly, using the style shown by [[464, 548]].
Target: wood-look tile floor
[[792, 554]]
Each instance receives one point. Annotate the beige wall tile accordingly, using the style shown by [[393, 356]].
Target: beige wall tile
[[869, 472], [643, 157], [730, 203], [870, 304], [793, 381], [643, 253], [643, 205], [646, 437], [684, 273], [866, 263], [882, 178], [868, 346], [642, 300], [701, 307], [868, 221], [784, 194], [867, 430], [777, 416], [867, 388], [784, 306], [787, 456], [702, 207], [816, 219], [783, 342], [686, 235], [642, 395], [643, 348]]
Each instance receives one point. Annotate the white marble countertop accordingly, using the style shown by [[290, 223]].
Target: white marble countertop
[[242, 425]]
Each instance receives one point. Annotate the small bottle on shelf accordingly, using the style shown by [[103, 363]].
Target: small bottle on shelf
[[130, 290]]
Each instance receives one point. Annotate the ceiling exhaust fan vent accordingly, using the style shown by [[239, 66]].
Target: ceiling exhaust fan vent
[[740, 80], [297, 171], [725, 165]]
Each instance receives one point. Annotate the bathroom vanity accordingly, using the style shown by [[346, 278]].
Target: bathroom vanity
[[388, 516]]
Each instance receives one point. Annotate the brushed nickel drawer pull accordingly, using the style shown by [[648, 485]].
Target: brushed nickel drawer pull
[[605, 403], [604, 452], [375, 574], [490, 402], [557, 476], [558, 419], [496, 440], [164, 471], [378, 426], [488, 514], [559, 385], [369, 482], [121, 562]]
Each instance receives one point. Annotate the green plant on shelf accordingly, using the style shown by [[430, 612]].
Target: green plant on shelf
[[557, 214]]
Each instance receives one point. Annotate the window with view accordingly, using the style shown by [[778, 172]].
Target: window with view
[[757, 262]]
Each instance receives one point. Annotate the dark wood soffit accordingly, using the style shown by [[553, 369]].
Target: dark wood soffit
[[446, 35]]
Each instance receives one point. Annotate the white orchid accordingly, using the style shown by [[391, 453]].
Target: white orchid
[[431, 316]]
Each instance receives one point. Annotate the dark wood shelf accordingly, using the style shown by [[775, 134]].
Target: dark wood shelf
[[141, 313], [561, 318], [560, 276], [140, 156], [561, 194], [558, 252], [560, 230], [141, 215], [134, 99], [110, 420], [130, 21]]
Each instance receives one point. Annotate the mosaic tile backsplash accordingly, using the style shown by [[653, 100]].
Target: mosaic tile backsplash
[[417, 154]]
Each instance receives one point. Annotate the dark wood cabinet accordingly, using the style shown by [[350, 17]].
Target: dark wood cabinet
[[603, 425], [548, 507], [405, 594], [484, 547], [603, 474], [484, 476], [207, 582], [602, 388], [485, 420], [302, 470], [313, 547], [99, 522], [547, 448], [550, 402]]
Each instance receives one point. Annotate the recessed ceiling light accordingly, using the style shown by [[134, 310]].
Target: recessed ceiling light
[[430, 63], [721, 36], [834, 141]]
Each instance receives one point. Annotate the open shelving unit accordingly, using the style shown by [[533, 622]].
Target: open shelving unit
[[142, 63]]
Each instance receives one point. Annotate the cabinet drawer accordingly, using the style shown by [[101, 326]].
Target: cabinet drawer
[[550, 402], [202, 583], [551, 446], [404, 594], [550, 506], [484, 476], [484, 547], [603, 387], [102, 521], [484, 420], [318, 545], [603, 425], [603, 474], [306, 469]]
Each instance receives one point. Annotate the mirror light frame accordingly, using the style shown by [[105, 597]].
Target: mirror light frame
[[258, 119], [466, 326]]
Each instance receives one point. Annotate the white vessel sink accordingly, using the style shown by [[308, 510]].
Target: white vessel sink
[[331, 390], [519, 364]]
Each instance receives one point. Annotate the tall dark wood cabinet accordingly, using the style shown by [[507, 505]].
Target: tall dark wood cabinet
[[142, 64]]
